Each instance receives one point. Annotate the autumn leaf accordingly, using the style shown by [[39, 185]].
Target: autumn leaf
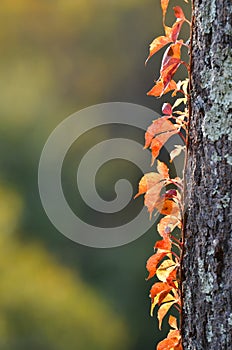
[[157, 134], [165, 245], [152, 196], [157, 297], [158, 89], [171, 279], [167, 225], [164, 6], [183, 85], [148, 181], [171, 193], [172, 55], [158, 142], [173, 341], [175, 30], [158, 288], [163, 309], [172, 322], [151, 184], [168, 207], [168, 344], [167, 109], [163, 169], [167, 74], [157, 44], [179, 101], [164, 270], [179, 12], [171, 33], [153, 262], [176, 152], [158, 126]]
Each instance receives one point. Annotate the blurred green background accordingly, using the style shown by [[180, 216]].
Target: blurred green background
[[57, 57]]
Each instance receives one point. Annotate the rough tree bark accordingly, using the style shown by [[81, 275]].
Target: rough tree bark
[[207, 317]]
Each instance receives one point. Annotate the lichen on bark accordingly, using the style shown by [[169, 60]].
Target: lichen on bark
[[207, 264]]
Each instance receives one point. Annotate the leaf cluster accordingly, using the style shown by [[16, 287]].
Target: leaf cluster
[[165, 264]]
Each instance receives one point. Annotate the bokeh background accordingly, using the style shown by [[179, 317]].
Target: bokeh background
[[57, 57]]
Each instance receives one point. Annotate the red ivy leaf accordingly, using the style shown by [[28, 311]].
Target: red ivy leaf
[[167, 73], [172, 55], [179, 12], [171, 194], [175, 30], [167, 109]]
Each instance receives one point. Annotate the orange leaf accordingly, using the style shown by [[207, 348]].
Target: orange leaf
[[158, 89], [176, 29], [167, 207], [171, 279], [168, 344], [163, 309], [161, 298], [179, 12], [164, 6], [165, 244], [158, 142], [172, 55], [167, 73], [152, 196], [171, 86], [167, 225], [147, 182], [163, 169], [158, 126], [157, 44], [172, 322], [151, 184], [153, 262], [158, 288], [174, 338]]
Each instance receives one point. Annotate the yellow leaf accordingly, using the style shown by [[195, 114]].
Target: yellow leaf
[[165, 269], [164, 308], [179, 101]]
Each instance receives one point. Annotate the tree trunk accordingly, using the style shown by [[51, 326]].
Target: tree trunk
[[207, 317]]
